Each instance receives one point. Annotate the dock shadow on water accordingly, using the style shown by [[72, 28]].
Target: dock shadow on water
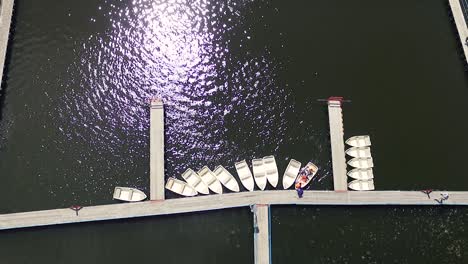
[[212, 237], [372, 234]]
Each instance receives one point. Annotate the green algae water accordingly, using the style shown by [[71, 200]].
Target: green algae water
[[240, 80]]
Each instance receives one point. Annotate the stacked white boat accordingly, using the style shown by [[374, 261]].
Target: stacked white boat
[[362, 162], [264, 171]]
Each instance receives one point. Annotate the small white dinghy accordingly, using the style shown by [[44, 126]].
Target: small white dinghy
[[361, 163], [210, 179], [194, 180], [259, 173], [358, 185], [306, 174], [290, 174], [245, 175], [128, 194], [361, 174], [271, 170], [359, 141], [226, 178], [180, 187], [359, 152]]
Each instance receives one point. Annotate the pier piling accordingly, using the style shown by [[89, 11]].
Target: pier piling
[[460, 23], [6, 12], [157, 150], [335, 117], [262, 241]]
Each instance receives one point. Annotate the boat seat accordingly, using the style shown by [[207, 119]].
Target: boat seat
[[117, 193]]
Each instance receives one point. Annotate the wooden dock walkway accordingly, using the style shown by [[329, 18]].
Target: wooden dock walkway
[[228, 200], [335, 117], [6, 12], [156, 150], [460, 23], [262, 233]]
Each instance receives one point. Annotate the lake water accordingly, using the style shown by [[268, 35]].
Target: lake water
[[240, 80]]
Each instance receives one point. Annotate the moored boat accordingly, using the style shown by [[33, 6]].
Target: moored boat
[[194, 180], [359, 185], [128, 194], [361, 174], [271, 170], [259, 173], [210, 179], [290, 174], [180, 187], [245, 175], [359, 141], [359, 152], [306, 174], [226, 178], [361, 163]]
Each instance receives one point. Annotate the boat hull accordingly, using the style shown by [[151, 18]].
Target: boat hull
[[128, 194], [359, 141], [245, 175], [180, 187], [304, 183], [359, 185], [291, 172], [361, 174]]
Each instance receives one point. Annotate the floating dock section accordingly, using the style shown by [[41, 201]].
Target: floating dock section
[[335, 117], [460, 23], [228, 200], [6, 12], [262, 230], [157, 150]]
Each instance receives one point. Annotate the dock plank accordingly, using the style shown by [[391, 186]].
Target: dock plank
[[216, 202], [460, 23], [335, 117], [262, 240], [157, 150], [6, 12]]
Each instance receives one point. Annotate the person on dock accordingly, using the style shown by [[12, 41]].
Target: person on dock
[[444, 195], [299, 190]]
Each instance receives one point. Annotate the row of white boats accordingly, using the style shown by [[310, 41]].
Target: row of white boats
[[264, 171], [362, 163]]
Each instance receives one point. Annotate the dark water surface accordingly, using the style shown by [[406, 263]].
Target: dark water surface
[[240, 79]]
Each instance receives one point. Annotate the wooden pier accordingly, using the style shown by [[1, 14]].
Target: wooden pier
[[6, 12], [460, 23], [228, 200], [335, 117], [262, 233], [157, 150]]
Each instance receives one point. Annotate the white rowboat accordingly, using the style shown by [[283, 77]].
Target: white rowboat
[[259, 173], [355, 152], [245, 175], [226, 178], [358, 185], [128, 194], [359, 141], [290, 174], [361, 163], [361, 174], [271, 170], [311, 167], [210, 179], [194, 180], [180, 187]]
